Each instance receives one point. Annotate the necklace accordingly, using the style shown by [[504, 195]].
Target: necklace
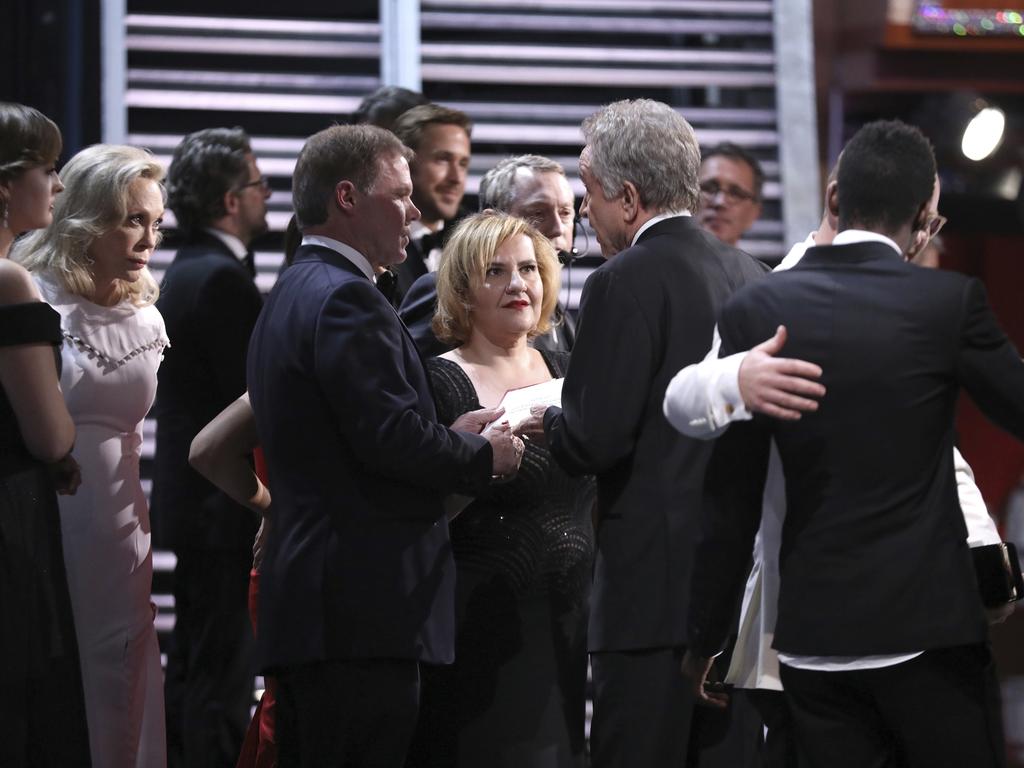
[[105, 360]]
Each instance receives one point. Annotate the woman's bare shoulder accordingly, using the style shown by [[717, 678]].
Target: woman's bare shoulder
[[16, 284]]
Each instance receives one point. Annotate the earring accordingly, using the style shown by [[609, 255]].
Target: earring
[[6, 222]]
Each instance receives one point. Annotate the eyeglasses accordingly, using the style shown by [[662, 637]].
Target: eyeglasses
[[262, 182], [733, 194], [935, 225]]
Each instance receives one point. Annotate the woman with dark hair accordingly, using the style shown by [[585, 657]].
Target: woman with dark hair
[[90, 265], [515, 696], [41, 705]]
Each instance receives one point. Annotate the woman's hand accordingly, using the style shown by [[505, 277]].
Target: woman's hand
[[66, 475], [260, 544]]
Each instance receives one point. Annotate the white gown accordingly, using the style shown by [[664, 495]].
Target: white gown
[[110, 358]]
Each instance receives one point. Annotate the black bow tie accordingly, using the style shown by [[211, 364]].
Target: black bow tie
[[430, 241], [387, 285]]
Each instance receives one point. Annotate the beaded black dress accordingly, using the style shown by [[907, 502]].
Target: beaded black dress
[[42, 714], [515, 695]]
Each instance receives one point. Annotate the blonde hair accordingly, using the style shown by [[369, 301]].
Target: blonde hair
[[464, 263], [94, 201]]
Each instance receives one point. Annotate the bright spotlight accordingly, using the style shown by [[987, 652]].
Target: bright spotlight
[[983, 134]]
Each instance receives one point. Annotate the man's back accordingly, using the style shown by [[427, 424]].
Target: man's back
[[644, 315], [874, 538], [209, 303]]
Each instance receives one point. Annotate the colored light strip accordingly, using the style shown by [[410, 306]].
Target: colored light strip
[[932, 19]]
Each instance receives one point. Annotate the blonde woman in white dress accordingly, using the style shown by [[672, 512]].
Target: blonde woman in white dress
[[90, 265]]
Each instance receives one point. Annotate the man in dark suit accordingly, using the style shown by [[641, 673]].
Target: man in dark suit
[[880, 630], [648, 310], [440, 138], [210, 302], [532, 187], [357, 581]]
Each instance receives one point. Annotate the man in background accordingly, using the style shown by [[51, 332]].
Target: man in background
[[210, 302], [440, 138], [731, 183], [531, 187]]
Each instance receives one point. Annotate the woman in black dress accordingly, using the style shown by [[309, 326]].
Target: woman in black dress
[[515, 695], [42, 715]]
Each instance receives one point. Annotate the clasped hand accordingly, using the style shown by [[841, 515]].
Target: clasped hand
[[507, 449]]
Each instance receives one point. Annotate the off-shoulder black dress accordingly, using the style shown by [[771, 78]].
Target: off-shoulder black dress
[[515, 695], [42, 714]]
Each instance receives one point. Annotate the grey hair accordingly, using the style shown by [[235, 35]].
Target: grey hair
[[498, 186], [649, 144], [94, 201]]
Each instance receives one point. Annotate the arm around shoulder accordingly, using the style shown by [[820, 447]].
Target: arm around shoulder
[[703, 398]]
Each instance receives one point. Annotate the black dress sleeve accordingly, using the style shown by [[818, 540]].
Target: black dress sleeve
[[31, 323]]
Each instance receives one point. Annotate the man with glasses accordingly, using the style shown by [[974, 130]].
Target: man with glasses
[[210, 303], [731, 180]]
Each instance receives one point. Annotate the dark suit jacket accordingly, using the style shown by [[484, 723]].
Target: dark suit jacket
[[210, 304], [874, 558], [409, 271], [644, 314], [420, 304], [358, 564]]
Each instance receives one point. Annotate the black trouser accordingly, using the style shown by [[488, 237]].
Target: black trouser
[[211, 660], [938, 710], [346, 714]]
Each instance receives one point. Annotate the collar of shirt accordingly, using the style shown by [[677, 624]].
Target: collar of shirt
[[796, 253], [232, 243], [654, 220], [851, 236], [417, 229], [347, 251]]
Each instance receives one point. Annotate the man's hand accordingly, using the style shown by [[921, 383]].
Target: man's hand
[[532, 429], [507, 448], [776, 386], [475, 421], [695, 671], [66, 475]]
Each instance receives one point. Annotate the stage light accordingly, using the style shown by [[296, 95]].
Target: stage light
[[984, 132]]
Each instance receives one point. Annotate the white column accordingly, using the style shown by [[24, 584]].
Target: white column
[[400, 43], [113, 72], [799, 173]]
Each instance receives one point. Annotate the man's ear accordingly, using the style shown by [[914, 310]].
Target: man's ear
[[920, 233], [231, 202], [630, 202], [345, 196], [832, 203]]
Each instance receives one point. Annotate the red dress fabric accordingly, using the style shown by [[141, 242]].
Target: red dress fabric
[[259, 750]]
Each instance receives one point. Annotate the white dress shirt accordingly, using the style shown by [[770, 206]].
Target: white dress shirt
[[347, 251]]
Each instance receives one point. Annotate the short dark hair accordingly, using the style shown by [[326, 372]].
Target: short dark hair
[[206, 164], [410, 125], [339, 153], [383, 106], [738, 153], [886, 174]]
